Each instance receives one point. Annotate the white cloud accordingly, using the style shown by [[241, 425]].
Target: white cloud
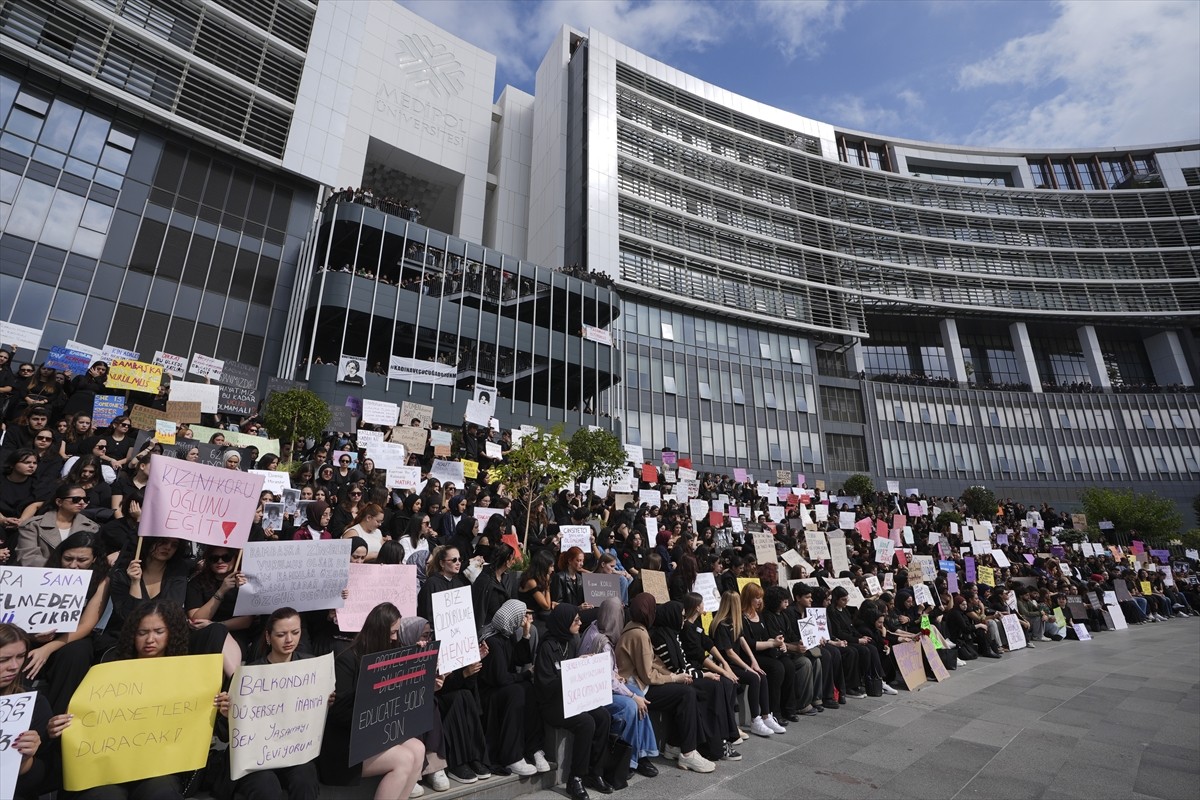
[[800, 27], [1102, 74], [854, 111]]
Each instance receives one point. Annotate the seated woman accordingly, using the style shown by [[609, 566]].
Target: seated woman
[[62, 661], [458, 741], [534, 590], [664, 690], [444, 571], [964, 630], [155, 629], [489, 591], [731, 642], [399, 765], [629, 708], [589, 729], [35, 775], [567, 583], [39, 535], [842, 629], [212, 595], [513, 720], [770, 652], [281, 638]]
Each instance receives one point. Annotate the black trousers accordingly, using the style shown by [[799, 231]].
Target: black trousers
[[851, 677], [781, 676], [293, 783], [514, 723], [589, 740], [831, 673], [678, 701], [758, 695], [165, 787]]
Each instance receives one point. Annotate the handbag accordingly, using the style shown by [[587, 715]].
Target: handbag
[[949, 657], [874, 686], [967, 652]]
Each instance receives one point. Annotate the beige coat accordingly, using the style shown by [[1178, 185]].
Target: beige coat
[[39, 536]]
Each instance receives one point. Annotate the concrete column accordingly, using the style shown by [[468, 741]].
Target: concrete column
[[954, 354], [1167, 359], [1097, 372], [1024, 350]]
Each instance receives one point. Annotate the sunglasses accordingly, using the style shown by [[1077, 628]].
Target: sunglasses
[[74, 499], [44, 439], [356, 494], [101, 447], [223, 558], [454, 560]]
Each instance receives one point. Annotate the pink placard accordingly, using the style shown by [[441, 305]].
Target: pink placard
[[372, 584], [881, 529], [863, 526], [200, 503]]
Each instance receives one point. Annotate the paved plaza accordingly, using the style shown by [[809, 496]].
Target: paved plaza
[[1117, 717]]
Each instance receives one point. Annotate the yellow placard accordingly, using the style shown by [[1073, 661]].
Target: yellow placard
[[470, 469], [743, 581], [139, 719], [986, 577], [125, 373], [1146, 588]]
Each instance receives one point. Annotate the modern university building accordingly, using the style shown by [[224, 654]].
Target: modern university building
[[629, 247]]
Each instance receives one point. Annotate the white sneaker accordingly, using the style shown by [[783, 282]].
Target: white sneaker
[[438, 781], [417, 790], [888, 690], [773, 725], [696, 762], [540, 763], [522, 768], [960, 663], [671, 753], [759, 728]]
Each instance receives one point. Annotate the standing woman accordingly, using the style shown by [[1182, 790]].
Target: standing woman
[[82, 389], [398, 766], [63, 661], [589, 729], [444, 571], [367, 525], [39, 536], [34, 773], [156, 629]]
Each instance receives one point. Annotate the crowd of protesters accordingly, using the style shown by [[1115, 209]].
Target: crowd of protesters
[[71, 497]]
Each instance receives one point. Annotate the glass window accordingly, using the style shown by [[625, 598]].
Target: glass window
[[739, 397], [668, 332], [705, 391], [29, 210], [63, 220], [90, 138], [669, 384], [60, 125]]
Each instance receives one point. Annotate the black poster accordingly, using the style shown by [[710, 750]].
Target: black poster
[[393, 700], [598, 588]]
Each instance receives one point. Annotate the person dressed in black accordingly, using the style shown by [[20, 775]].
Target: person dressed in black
[[963, 630], [589, 729], [514, 720]]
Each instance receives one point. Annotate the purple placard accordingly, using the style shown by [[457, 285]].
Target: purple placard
[[355, 405], [970, 564], [952, 582], [1058, 551], [1163, 556], [668, 458], [1029, 557], [1001, 539]]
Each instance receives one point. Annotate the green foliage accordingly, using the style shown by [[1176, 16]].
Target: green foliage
[[1154, 518], [1191, 539], [295, 415], [859, 485], [597, 452], [946, 517], [539, 466], [980, 502]]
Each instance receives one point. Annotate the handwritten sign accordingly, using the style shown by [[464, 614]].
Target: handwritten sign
[[597, 588], [175, 366], [69, 361], [448, 472], [206, 366], [207, 395], [885, 551], [372, 584], [379, 412], [921, 594], [706, 587], [810, 632], [454, 625], [818, 548], [182, 411], [403, 477], [140, 718], [575, 536], [274, 481], [393, 700], [20, 337], [986, 576], [306, 575], [1081, 632], [911, 664], [277, 714], [764, 548], [410, 411], [40, 599], [106, 408], [586, 683], [940, 673], [137, 376], [16, 716], [200, 503], [238, 400]]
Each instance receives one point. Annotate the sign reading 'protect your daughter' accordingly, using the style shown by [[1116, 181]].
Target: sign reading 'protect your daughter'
[[198, 502]]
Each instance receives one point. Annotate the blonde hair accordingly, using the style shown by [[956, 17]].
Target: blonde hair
[[730, 609]]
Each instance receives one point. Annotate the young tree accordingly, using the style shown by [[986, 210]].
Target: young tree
[[1154, 518], [980, 502], [860, 486], [598, 453], [295, 415], [537, 467]]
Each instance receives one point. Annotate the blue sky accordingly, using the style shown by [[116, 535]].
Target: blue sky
[[1004, 73]]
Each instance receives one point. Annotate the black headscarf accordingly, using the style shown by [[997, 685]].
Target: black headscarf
[[668, 620], [558, 624]]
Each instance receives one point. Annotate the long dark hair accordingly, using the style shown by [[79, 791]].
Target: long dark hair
[[177, 628], [539, 569], [92, 541], [11, 634], [376, 633]]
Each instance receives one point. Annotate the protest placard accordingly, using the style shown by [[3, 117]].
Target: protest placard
[[341, 418], [106, 408], [818, 548], [575, 536], [306, 575], [940, 673], [182, 412], [403, 477], [706, 587], [16, 716], [410, 411], [69, 361], [117, 734], [1013, 631], [793, 559], [136, 376], [810, 632], [387, 456], [277, 714], [854, 594], [1081, 632], [655, 582], [586, 683], [921, 594], [175, 366], [164, 431], [206, 366], [274, 481], [236, 373], [239, 400], [41, 599], [372, 584], [873, 586], [454, 626], [820, 620], [21, 337], [599, 587], [986, 576], [393, 700], [764, 548], [885, 551], [1000, 558], [200, 503], [207, 395], [911, 663], [379, 412], [838, 557], [448, 472]]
